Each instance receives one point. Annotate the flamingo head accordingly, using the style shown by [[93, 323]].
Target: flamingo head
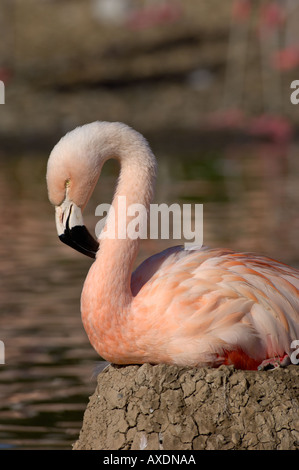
[[72, 173]]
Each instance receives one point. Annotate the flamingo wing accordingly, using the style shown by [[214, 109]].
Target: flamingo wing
[[211, 306]]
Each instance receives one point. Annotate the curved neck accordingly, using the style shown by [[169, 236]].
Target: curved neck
[[119, 241], [118, 248]]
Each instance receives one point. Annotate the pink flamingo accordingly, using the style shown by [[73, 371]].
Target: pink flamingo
[[154, 15], [192, 307]]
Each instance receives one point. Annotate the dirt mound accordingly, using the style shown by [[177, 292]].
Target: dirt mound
[[174, 408]]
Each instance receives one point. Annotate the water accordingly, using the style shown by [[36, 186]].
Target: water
[[250, 196]]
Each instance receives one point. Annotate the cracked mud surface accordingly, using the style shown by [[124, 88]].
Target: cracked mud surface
[[174, 408]]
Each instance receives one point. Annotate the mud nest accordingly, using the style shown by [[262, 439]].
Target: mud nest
[[174, 408]]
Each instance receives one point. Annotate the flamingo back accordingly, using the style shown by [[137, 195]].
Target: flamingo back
[[215, 306]]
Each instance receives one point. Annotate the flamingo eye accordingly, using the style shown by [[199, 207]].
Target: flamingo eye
[[67, 183]]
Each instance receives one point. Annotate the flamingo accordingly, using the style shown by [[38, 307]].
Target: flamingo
[[191, 307]]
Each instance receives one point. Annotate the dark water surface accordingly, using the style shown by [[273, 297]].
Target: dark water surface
[[250, 195]]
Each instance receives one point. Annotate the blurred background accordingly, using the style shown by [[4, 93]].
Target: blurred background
[[208, 84]]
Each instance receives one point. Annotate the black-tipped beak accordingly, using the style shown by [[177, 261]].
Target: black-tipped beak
[[80, 239], [76, 236]]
